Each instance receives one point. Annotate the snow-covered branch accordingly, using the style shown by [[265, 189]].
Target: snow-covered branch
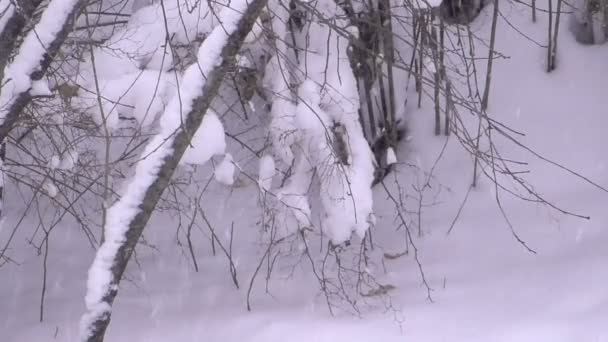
[[34, 57], [11, 24], [324, 124], [36, 52], [127, 218]]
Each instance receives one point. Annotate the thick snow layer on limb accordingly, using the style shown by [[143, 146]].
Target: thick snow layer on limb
[[141, 44], [40, 88], [208, 141], [326, 62], [123, 212], [133, 66], [345, 187], [17, 77], [323, 125], [266, 173], [283, 130], [224, 171], [332, 135]]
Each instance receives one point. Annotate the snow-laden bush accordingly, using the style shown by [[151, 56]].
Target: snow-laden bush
[[315, 126]]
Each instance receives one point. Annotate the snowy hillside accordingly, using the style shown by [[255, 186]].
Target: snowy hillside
[[478, 269]]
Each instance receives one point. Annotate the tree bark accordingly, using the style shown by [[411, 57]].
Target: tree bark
[[486, 91], [555, 35]]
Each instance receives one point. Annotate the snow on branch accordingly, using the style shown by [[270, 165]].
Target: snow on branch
[[18, 76], [278, 78], [35, 55], [181, 119], [325, 126], [132, 67], [132, 72]]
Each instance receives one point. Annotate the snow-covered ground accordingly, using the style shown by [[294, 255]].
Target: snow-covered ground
[[486, 286]]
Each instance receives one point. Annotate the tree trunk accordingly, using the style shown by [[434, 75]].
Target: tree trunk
[[486, 91]]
